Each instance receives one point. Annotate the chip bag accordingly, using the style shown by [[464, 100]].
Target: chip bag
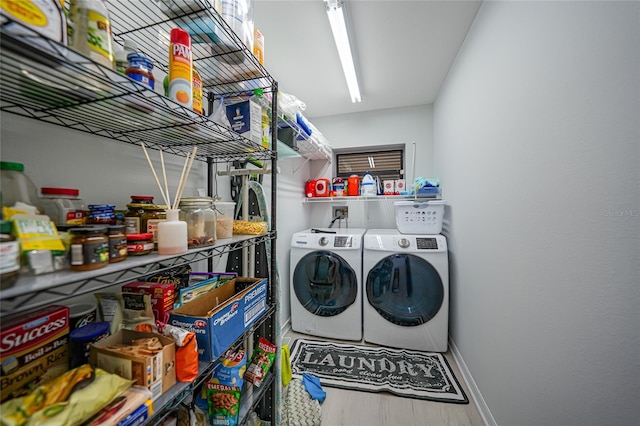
[[186, 352], [223, 390], [261, 362]]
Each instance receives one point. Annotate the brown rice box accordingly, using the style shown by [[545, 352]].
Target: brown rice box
[[34, 350]]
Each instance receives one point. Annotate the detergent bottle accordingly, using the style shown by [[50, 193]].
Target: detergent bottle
[[369, 186]]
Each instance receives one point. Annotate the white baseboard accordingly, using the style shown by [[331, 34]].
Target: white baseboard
[[487, 417], [284, 328]]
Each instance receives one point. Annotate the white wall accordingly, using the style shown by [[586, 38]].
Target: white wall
[[381, 127], [537, 132], [105, 172]]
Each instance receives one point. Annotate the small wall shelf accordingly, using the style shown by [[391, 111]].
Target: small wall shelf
[[378, 198]]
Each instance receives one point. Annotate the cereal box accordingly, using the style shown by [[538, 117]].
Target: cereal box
[[162, 295]]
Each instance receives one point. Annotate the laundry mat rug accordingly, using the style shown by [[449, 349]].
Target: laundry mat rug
[[412, 374]]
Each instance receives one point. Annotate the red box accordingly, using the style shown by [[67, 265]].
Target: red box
[[163, 296], [34, 348]]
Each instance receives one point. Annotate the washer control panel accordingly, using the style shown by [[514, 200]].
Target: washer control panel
[[329, 239], [343, 241], [426, 243]]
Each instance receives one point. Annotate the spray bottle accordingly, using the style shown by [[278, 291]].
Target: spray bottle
[[181, 68]]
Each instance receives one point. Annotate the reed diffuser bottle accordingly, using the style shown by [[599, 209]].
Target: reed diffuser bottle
[[172, 234]]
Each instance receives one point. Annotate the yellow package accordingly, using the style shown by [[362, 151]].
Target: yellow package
[[41, 248], [36, 232], [245, 227]]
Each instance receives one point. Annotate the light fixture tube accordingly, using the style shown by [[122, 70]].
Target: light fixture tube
[[341, 36]]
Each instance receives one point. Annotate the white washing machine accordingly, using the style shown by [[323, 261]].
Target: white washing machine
[[406, 295], [326, 283]]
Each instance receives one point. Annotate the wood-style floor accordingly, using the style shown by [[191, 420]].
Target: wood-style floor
[[353, 408]]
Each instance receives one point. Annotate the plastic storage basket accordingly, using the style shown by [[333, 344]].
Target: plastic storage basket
[[413, 217]]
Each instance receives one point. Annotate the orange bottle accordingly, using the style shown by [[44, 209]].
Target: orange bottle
[[197, 92]]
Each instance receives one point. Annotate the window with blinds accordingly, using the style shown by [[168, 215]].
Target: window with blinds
[[387, 164]]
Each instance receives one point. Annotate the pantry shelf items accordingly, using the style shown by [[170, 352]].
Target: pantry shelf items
[[60, 86], [32, 292], [45, 80]]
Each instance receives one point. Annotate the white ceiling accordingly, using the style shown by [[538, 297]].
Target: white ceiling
[[404, 50]]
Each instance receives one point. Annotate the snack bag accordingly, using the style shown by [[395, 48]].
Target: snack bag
[[186, 352], [261, 362], [223, 390]]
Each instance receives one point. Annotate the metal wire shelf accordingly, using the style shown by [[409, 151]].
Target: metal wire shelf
[[31, 292], [47, 81]]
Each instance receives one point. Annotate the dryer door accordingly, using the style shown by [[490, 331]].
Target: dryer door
[[405, 289], [324, 283]]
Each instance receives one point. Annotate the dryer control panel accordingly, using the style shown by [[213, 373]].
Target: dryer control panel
[[393, 241]]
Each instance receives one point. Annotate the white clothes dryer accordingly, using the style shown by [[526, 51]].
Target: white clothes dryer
[[326, 283], [406, 295]]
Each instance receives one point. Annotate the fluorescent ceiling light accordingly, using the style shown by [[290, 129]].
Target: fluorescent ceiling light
[[335, 11]]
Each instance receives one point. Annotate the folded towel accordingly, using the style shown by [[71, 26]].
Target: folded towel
[[286, 365], [312, 385]]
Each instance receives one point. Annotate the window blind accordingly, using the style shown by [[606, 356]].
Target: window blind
[[385, 164]]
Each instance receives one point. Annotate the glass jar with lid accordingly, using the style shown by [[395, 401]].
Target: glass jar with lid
[[89, 248], [200, 217], [133, 215], [152, 215]]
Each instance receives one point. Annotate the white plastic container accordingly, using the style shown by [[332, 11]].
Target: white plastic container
[[419, 217], [369, 186], [91, 33], [17, 187], [63, 205], [43, 16], [224, 220]]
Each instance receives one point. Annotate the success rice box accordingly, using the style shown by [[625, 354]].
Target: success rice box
[[34, 349]]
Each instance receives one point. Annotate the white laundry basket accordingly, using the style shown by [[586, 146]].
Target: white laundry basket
[[419, 217]]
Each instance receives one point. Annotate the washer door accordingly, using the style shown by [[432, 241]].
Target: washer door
[[405, 289], [324, 283]]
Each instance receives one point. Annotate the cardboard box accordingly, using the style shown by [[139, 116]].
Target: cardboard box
[[189, 294], [35, 347], [155, 372], [245, 118], [163, 297], [219, 317], [389, 187]]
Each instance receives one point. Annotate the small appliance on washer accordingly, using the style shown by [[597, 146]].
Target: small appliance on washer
[[406, 295], [326, 283]]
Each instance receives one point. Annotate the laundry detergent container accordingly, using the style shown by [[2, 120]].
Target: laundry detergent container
[[419, 217]]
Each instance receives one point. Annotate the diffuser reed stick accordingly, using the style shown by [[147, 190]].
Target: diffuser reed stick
[[155, 175], [183, 182], [184, 176], [164, 174]]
